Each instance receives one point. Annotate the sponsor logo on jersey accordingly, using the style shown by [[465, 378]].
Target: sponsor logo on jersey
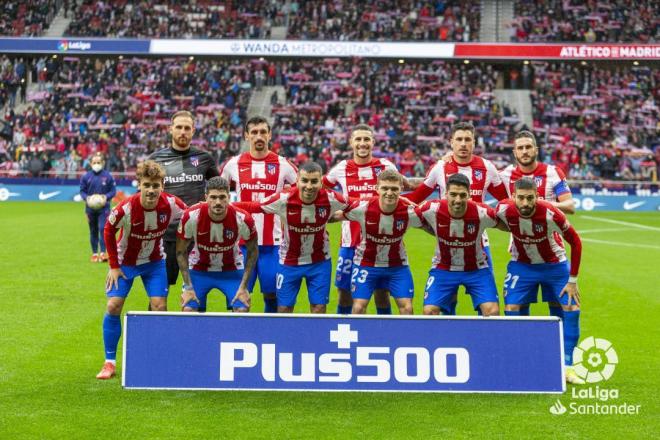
[[259, 186], [183, 177], [365, 187]]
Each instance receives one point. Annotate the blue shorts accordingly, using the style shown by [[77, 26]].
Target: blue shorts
[[226, 282], [345, 268], [154, 279], [266, 268], [398, 280], [522, 281], [442, 286], [317, 275]]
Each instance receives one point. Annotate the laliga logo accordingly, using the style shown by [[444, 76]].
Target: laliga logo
[[594, 360], [63, 46], [408, 364]]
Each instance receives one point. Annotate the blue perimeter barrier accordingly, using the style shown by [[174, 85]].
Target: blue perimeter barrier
[[47, 193], [225, 351]]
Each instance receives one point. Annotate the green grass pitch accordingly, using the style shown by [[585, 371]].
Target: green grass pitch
[[52, 303]]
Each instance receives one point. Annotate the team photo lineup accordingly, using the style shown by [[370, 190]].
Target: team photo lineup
[[276, 231]]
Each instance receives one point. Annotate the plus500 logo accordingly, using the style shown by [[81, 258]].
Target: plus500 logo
[[374, 364]]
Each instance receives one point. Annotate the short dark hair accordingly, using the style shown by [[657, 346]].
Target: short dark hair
[[390, 175], [525, 183], [525, 134], [459, 179], [311, 167], [218, 183], [467, 126], [184, 113], [364, 127], [255, 120]]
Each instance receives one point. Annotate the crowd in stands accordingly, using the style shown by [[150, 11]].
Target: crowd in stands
[[29, 18], [175, 19], [591, 21], [599, 122], [594, 122], [384, 20], [122, 107]]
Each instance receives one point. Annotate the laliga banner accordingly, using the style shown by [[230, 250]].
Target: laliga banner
[[225, 351]]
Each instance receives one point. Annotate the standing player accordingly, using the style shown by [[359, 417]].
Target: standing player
[[97, 181], [186, 172], [357, 179], [141, 220], [458, 224], [538, 258], [380, 257], [550, 181], [305, 250], [216, 260], [481, 172], [256, 175]]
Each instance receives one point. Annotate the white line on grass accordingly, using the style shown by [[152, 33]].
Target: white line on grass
[[619, 222], [616, 243], [593, 231]]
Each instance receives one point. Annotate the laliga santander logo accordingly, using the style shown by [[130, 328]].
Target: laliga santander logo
[[63, 46], [594, 360]]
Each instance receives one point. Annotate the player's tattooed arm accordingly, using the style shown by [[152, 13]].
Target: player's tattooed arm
[[243, 294], [411, 183], [188, 293], [565, 203]]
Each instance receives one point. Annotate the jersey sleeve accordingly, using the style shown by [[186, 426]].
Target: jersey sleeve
[[178, 208], [275, 204], [331, 179], [185, 230], [500, 211], [355, 211], [337, 201], [247, 229], [496, 186], [414, 217], [212, 170], [289, 172], [488, 216], [227, 170], [84, 186], [426, 188], [116, 221], [561, 187], [112, 188], [428, 210]]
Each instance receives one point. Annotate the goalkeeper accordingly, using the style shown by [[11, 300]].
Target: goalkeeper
[[97, 181]]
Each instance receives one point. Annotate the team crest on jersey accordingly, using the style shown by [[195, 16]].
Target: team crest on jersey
[[271, 168], [471, 228], [378, 170], [229, 234], [478, 174], [194, 160], [538, 180], [538, 227], [322, 212], [162, 218], [399, 225]]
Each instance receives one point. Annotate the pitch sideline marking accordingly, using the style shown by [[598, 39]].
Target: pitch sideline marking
[[616, 243], [619, 222], [592, 231]]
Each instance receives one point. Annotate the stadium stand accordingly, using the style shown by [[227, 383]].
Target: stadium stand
[[28, 18], [572, 20], [174, 19], [384, 20]]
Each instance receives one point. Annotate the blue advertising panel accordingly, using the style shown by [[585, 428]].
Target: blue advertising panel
[[47, 193], [616, 203], [224, 351], [75, 45]]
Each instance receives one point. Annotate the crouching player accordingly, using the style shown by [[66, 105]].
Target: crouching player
[[141, 220], [538, 258], [304, 211], [216, 260], [458, 224], [380, 258]]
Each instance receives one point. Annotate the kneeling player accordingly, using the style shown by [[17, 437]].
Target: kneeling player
[[142, 220], [216, 260], [380, 258], [458, 224], [538, 258], [305, 250]]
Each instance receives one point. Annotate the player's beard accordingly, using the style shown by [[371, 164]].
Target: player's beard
[[526, 161], [526, 211], [182, 142]]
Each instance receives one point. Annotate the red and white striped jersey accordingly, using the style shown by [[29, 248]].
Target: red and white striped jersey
[[358, 182], [305, 238], [381, 243], [481, 173], [257, 179], [538, 239], [460, 247], [216, 246], [140, 230], [550, 180]]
